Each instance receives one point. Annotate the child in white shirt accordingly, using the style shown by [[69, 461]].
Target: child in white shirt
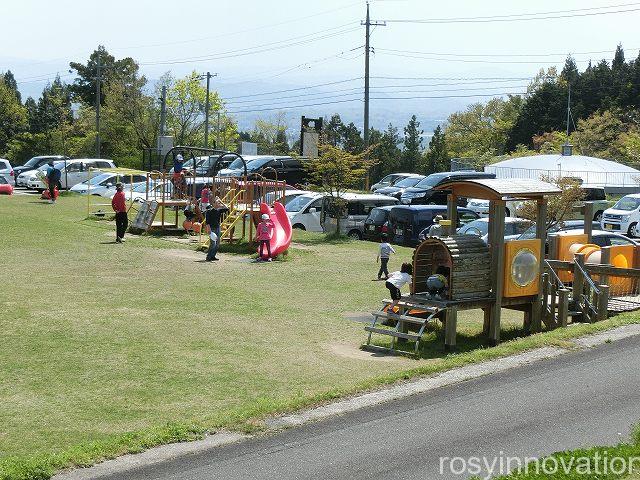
[[383, 257], [396, 281]]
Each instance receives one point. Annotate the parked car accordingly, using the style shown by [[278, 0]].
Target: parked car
[[138, 192], [206, 166], [33, 164], [6, 171], [390, 180], [5, 187], [623, 216], [289, 194], [72, 172], [304, 212], [513, 228], [604, 238], [397, 189], [407, 222], [352, 221], [286, 168], [103, 184], [377, 223], [424, 192], [530, 232], [598, 197], [481, 206]]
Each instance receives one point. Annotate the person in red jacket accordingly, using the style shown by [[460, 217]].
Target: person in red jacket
[[119, 205]]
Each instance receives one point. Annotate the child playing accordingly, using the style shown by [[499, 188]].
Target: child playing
[[396, 281], [264, 232], [204, 197], [383, 256]]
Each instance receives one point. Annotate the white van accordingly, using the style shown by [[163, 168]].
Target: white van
[[358, 208], [624, 216], [72, 172], [304, 211]]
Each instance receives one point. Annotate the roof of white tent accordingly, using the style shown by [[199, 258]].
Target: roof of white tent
[[577, 163]]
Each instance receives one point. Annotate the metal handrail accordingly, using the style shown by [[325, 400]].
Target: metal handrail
[[588, 278], [555, 275]]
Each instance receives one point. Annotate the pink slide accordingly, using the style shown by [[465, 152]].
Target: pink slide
[[282, 228]]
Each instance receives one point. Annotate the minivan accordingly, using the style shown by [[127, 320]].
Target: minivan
[[33, 164], [377, 223], [407, 221], [423, 193], [304, 211], [624, 216], [357, 210]]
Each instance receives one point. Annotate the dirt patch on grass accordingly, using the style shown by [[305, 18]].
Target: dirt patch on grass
[[356, 353], [180, 253]]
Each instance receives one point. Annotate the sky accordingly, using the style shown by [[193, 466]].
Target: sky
[[265, 46]]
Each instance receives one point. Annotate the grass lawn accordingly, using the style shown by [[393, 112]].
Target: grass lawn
[[111, 348]]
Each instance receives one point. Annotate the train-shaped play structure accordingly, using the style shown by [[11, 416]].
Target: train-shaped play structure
[[577, 281]]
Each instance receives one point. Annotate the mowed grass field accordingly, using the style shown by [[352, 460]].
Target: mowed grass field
[[110, 348]]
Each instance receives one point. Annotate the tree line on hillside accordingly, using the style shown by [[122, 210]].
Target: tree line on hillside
[[605, 120]]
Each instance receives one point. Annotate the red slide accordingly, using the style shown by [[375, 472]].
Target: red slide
[[282, 228]]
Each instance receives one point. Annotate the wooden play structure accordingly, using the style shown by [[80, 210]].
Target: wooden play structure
[[162, 202], [575, 284]]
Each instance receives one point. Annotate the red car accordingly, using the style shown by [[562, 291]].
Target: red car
[[5, 187]]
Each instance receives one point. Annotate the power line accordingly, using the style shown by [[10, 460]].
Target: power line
[[297, 89], [297, 106], [442, 54], [358, 91], [460, 60], [523, 16], [258, 48]]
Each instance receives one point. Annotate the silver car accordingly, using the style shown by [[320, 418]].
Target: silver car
[[6, 171]]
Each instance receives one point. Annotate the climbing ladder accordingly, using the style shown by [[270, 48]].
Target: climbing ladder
[[237, 211], [403, 319]]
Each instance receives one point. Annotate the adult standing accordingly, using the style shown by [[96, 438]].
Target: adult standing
[[213, 218], [53, 179], [119, 205]]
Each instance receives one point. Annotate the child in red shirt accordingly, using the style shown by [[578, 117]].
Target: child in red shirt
[[264, 232]]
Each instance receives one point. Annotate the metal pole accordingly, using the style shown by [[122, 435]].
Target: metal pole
[[163, 112], [98, 81], [218, 131], [206, 114], [366, 80]]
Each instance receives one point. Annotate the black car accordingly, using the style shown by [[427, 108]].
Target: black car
[[424, 192], [407, 221], [36, 162], [397, 189], [271, 167], [377, 223]]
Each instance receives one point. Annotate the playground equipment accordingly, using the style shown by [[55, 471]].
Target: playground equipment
[[580, 281], [96, 205], [281, 239]]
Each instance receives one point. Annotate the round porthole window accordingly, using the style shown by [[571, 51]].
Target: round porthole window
[[524, 267]]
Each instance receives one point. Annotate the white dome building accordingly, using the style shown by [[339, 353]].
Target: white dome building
[[597, 172]]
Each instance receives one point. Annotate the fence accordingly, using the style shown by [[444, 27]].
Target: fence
[[600, 179]]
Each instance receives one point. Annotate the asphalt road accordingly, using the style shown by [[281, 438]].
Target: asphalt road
[[579, 399]]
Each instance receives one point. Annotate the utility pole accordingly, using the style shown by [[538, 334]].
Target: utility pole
[[98, 81], [163, 111], [206, 115], [367, 48], [568, 110], [206, 112]]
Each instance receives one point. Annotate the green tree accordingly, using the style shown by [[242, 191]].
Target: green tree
[[336, 171], [10, 81], [411, 145], [385, 150], [13, 116], [351, 140], [332, 130], [84, 86], [436, 158], [597, 136]]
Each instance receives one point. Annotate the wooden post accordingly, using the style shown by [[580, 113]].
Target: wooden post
[[605, 259], [563, 306], [553, 247], [496, 232], [541, 233], [452, 213], [450, 329], [487, 320], [602, 303], [544, 317], [526, 324], [588, 220]]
